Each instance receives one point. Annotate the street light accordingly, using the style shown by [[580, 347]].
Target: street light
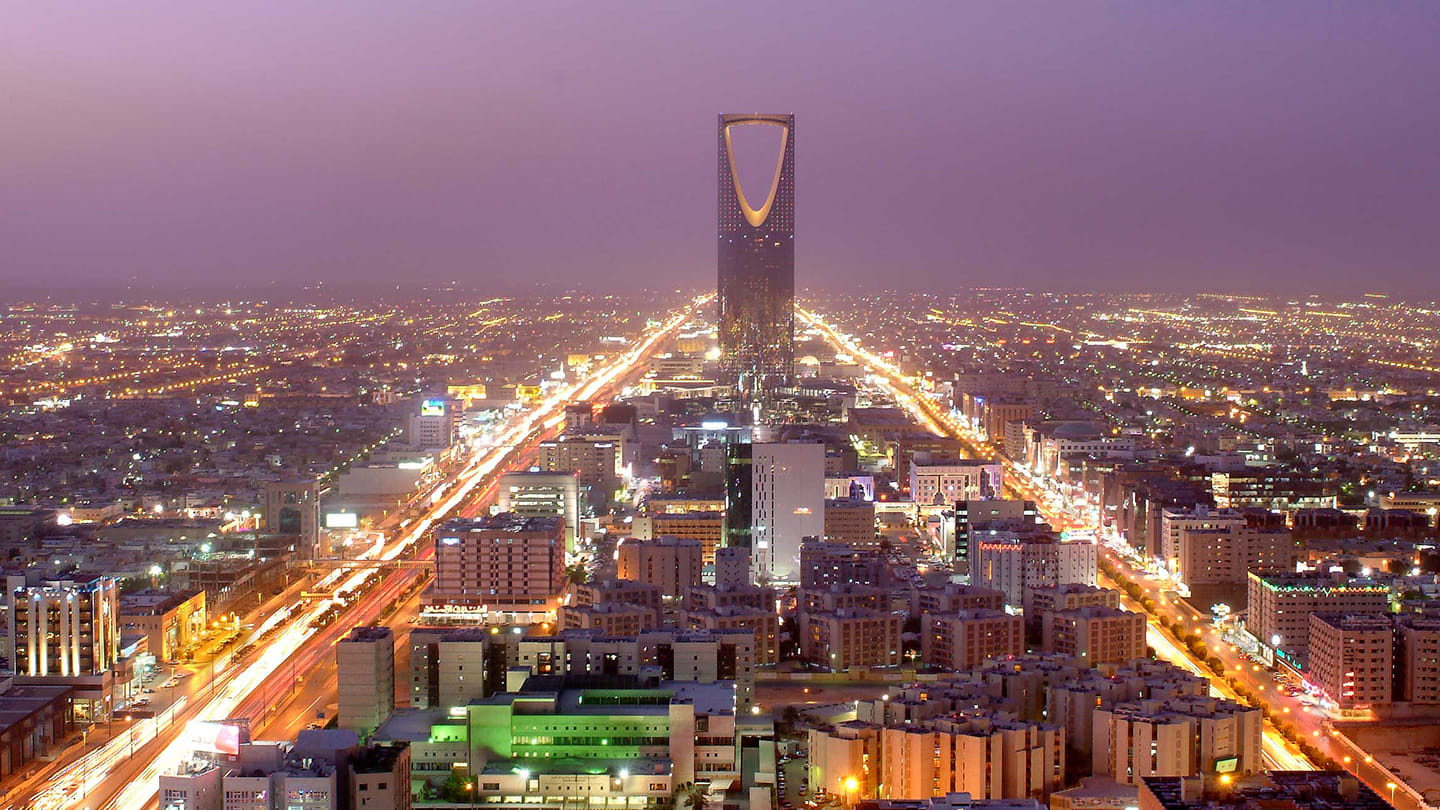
[[1391, 786], [851, 786]]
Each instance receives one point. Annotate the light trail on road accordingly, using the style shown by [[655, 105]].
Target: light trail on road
[[94, 769], [1276, 751]]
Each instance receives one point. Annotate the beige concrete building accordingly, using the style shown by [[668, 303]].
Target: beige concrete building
[[988, 758], [850, 521], [962, 639], [763, 623], [1207, 556], [1180, 736], [613, 619], [851, 638], [671, 564], [1352, 659], [1097, 635], [706, 527], [1280, 605], [502, 568], [365, 670], [172, 621], [1419, 658]]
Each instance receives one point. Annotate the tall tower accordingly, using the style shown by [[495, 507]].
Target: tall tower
[[756, 289]]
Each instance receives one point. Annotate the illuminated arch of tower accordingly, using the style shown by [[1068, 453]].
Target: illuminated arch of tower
[[756, 279]]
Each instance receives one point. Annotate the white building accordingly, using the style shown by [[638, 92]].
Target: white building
[[939, 481], [787, 488], [1013, 564]]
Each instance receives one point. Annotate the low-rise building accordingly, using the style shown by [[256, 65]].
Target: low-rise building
[[843, 639], [1097, 635], [962, 639]]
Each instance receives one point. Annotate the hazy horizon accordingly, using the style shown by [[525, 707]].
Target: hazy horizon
[[1132, 146]]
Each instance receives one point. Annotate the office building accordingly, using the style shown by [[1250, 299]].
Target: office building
[[823, 563], [365, 671], [1096, 635], [756, 277], [1418, 659], [1071, 595], [942, 481], [850, 521], [500, 569], [620, 591], [1226, 555], [774, 496], [613, 740], [432, 423], [959, 640], [379, 778], [706, 527], [543, 494], [671, 564], [1175, 519], [447, 666], [66, 630], [986, 757], [1279, 607], [595, 461], [1013, 564], [612, 619], [1352, 659], [762, 623], [1002, 514], [171, 621], [950, 597]]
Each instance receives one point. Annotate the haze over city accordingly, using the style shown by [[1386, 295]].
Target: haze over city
[[1079, 146]]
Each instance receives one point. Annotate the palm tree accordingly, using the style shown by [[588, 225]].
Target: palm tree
[[697, 797]]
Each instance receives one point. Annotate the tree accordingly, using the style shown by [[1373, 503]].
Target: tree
[[696, 797]]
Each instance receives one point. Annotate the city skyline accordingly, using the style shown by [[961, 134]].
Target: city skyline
[[1236, 150]]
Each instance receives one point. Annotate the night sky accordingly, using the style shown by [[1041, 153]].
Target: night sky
[[1151, 145]]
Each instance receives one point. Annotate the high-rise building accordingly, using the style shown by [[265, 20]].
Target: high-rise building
[[756, 279], [365, 669], [532, 493], [66, 630], [498, 569], [774, 499]]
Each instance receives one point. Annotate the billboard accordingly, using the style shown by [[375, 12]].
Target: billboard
[[1227, 764], [213, 738], [342, 520], [432, 407]]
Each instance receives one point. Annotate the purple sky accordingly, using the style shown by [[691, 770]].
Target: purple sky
[[1072, 145]]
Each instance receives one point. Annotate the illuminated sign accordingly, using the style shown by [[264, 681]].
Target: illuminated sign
[[450, 541], [1227, 765], [342, 520], [714, 424], [214, 738], [432, 407]]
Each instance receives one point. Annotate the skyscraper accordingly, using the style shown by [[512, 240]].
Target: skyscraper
[[756, 289]]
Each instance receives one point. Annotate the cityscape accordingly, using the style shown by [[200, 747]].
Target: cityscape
[[752, 537]]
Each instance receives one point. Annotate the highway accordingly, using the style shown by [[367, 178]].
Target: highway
[[1277, 751], [123, 772]]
